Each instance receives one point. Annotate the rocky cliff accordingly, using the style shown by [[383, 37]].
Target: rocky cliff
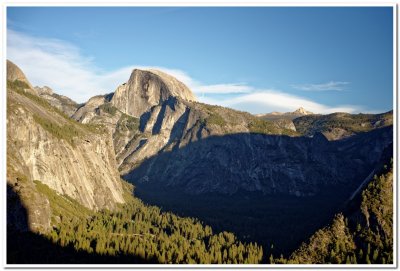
[[61, 102], [146, 89], [68, 157], [75, 160]]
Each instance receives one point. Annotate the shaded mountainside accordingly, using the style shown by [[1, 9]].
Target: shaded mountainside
[[172, 122], [67, 204], [295, 186], [268, 164], [187, 148], [132, 233], [362, 235]]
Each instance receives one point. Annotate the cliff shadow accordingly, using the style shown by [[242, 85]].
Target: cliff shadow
[[304, 182], [27, 247]]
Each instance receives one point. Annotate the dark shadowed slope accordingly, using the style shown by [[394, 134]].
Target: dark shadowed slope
[[273, 189]]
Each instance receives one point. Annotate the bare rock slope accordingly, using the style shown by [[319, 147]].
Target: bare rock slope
[[61, 102], [15, 73], [146, 89], [75, 160]]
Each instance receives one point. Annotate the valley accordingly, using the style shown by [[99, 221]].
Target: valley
[[201, 183]]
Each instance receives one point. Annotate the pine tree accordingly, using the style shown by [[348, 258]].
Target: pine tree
[[367, 259], [271, 259]]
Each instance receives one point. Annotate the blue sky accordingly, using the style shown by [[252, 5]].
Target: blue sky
[[260, 59]]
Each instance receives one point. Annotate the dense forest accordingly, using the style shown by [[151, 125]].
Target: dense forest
[[139, 233], [144, 232]]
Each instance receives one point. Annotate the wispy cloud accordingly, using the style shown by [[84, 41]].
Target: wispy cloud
[[331, 85], [264, 101], [64, 68], [61, 66]]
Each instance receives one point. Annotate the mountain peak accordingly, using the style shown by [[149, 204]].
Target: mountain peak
[[302, 111], [15, 73], [147, 88]]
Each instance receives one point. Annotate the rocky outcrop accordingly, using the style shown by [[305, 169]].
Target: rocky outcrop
[[285, 124], [285, 116], [62, 103], [147, 88], [302, 111], [85, 113], [285, 120], [15, 73]]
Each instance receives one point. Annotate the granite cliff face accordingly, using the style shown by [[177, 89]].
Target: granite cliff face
[[82, 166], [146, 89], [75, 160]]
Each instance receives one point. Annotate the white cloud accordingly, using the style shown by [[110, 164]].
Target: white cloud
[[272, 100], [61, 66], [331, 85]]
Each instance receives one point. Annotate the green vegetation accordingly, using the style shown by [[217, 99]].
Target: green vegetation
[[127, 123], [65, 100], [226, 117], [356, 123], [19, 87], [215, 119], [108, 108], [364, 237], [63, 207], [143, 231], [261, 126], [67, 130], [281, 220]]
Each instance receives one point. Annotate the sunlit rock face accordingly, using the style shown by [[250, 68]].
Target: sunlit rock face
[[147, 88]]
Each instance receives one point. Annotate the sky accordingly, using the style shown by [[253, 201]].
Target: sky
[[255, 59]]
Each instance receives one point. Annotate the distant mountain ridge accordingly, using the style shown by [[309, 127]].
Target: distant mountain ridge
[[289, 115]]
